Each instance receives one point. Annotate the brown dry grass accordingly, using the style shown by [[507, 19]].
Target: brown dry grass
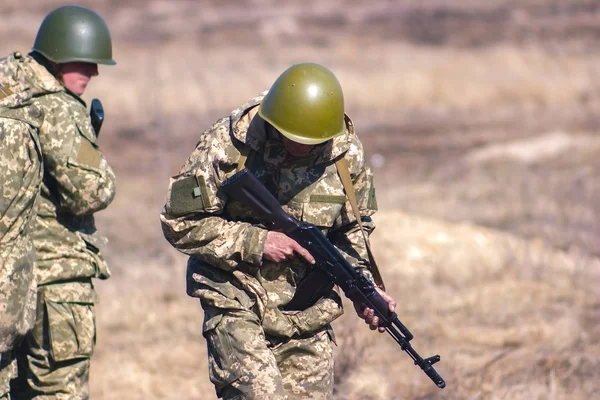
[[481, 119]]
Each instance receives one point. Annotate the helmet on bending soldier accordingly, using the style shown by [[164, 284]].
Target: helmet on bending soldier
[[305, 104], [74, 33]]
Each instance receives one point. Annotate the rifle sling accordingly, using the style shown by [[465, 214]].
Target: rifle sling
[[343, 171]]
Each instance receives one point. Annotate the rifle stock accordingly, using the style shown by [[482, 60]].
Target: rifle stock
[[333, 268]]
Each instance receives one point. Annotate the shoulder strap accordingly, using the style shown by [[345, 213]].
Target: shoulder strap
[[244, 151], [4, 91], [342, 168]]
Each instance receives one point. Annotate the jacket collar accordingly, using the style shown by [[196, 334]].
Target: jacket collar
[[44, 82]]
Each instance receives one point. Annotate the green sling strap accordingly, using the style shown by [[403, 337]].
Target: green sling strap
[[343, 171]]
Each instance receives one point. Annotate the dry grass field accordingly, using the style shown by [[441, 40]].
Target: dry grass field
[[481, 121]]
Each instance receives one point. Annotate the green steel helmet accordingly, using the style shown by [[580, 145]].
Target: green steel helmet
[[74, 33], [305, 104]]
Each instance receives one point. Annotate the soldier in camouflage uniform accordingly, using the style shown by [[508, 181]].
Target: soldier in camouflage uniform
[[243, 273], [54, 360], [21, 174]]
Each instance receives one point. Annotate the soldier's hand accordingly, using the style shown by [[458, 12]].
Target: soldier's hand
[[368, 314], [280, 247]]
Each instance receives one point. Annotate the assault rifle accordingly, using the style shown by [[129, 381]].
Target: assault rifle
[[331, 267]]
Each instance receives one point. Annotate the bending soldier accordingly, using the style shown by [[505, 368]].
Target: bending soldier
[[54, 359], [244, 274]]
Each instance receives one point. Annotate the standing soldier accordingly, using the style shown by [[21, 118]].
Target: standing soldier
[[20, 180], [54, 360], [293, 139]]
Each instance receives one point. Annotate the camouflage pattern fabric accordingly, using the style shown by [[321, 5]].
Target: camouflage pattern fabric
[[244, 363], [20, 181], [225, 239], [77, 183], [54, 362], [8, 370]]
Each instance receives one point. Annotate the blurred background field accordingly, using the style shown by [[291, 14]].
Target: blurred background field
[[480, 119]]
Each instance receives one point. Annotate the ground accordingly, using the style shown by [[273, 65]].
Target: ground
[[480, 121]]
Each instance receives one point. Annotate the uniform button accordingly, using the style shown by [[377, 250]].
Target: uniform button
[[35, 112]]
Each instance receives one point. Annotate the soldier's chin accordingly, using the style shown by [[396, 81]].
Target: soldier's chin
[[81, 89]]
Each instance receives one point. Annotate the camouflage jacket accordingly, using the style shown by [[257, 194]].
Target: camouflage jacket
[[77, 183], [20, 180], [224, 239]]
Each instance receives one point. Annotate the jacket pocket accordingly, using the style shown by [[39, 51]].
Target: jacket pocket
[[224, 364], [93, 245], [71, 321], [318, 316], [88, 155]]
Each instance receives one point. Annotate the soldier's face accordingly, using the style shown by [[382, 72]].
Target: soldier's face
[[76, 75], [296, 149]]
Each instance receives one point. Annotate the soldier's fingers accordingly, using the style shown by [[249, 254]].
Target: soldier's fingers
[[391, 302], [365, 314], [369, 314], [304, 253], [374, 323]]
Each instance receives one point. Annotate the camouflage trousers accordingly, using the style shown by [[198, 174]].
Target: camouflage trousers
[[54, 360], [245, 364], [8, 370]]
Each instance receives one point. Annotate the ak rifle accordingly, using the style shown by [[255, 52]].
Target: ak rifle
[[331, 267]]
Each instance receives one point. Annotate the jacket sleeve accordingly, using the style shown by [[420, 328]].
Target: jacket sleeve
[[83, 180], [193, 219], [346, 235]]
